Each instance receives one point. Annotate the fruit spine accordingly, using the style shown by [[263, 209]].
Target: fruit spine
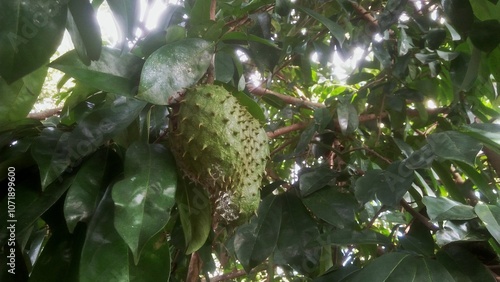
[[220, 145]]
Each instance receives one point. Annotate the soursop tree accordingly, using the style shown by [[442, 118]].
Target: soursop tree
[[251, 141]]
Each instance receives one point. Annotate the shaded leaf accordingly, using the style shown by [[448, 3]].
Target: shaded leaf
[[452, 145], [29, 35], [347, 117], [458, 231], [297, 231], [350, 236], [114, 72], [105, 255], [143, 199], [441, 208], [487, 133], [125, 13], [18, 98], [332, 206], [51, 154], [312, 181], [84, 30], [403, 267], [463, 265], [174, 67], [84, 194], [490, 215], [336, 30], [255, 241], [154, 264], [194, 210]]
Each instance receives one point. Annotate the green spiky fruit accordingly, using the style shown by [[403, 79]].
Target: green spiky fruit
[[220, 145]]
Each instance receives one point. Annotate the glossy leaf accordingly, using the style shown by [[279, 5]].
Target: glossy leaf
[[84, 194], [403, 267], [195, 214], [348, 236], [29, 35], [332, 206], [125, 13], [51, 154], [143, 199], [297, 232], [155, 261], [18, 98], [84, 30], [453, 145], [463, 265], [347, 117], [255, 241], [114, 72], [174, 67], [31, 204], [388, 186], [312, 181], [487, 133], [441, 208], [458, 231], [105, 255], [336, 30], [490, 215], [100, 125]]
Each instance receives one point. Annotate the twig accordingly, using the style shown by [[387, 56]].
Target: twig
[[193, 274], [213, 6], [260, 91], [45, 114], [424, 220], [287, 129], [365, 14], [379, 212]]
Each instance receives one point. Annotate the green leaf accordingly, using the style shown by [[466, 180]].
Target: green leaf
[[238, 35], [143, 199], [348, 118], [459, 231], [30, 33], [224, 67], [114, 72], [155, 261], [105, 255], [388, 186], [305, 138], [18, 98], [312, 181], [441, 208], [255, 241], [336, 30], [31, 204], [485, 35], [463, 265], [403, 267], [100, 125], [84, 194], [490, 215], [332, 206], [297, 231], [125, 13], [195, 213], [51, 154], [452, 145], [348, 237], [174, 67], [487, 133], [84, 30], [60, 256], [322, 117]]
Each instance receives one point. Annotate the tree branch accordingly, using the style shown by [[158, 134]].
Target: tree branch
[[287, 129], [260, 91], [45, 114], [424, 220], [364, 14]]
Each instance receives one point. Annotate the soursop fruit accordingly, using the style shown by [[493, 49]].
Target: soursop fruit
[[217, 143]]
